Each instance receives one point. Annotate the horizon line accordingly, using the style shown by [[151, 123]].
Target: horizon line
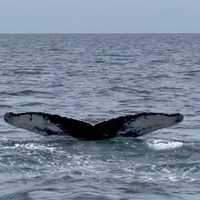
[[99, 33]]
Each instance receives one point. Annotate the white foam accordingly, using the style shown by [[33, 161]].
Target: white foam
[[159, 144], [31, 146]]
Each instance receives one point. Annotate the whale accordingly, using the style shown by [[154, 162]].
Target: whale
[[135, 125]]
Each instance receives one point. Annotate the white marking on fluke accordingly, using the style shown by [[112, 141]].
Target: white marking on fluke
[[33, 122], [148, 122]]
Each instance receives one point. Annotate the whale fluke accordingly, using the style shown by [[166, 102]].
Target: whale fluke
[[127, 126], [139, 124]]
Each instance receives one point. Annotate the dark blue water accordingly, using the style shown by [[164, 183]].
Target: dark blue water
[[94, 78]]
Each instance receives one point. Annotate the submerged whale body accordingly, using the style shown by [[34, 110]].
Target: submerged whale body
[[128, 126]]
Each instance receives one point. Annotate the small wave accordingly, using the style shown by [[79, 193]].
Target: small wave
[[100, 61], [161, 61], [159, 144], [169, 88], [39, 70], [192, 73], [126, 89], [16, 195], [116, 55], [159, 76], [24, 92], [31, 104], [55, 49], [5, 106]]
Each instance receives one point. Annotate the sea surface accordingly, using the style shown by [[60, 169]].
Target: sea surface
[[95, 77]]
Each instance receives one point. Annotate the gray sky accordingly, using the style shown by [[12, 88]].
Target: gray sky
[[99, 16]]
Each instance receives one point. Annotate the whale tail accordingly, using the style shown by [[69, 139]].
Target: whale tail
[[128, 126], [139, 124]]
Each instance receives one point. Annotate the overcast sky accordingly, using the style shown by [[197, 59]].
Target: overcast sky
[[99, 16]]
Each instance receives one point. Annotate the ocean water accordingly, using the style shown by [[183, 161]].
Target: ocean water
[[94, 77]]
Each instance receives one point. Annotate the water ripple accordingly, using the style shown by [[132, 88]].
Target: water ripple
[[95, 78]]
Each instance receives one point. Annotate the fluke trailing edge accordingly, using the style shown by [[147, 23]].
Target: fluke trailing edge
[[127, 126]]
